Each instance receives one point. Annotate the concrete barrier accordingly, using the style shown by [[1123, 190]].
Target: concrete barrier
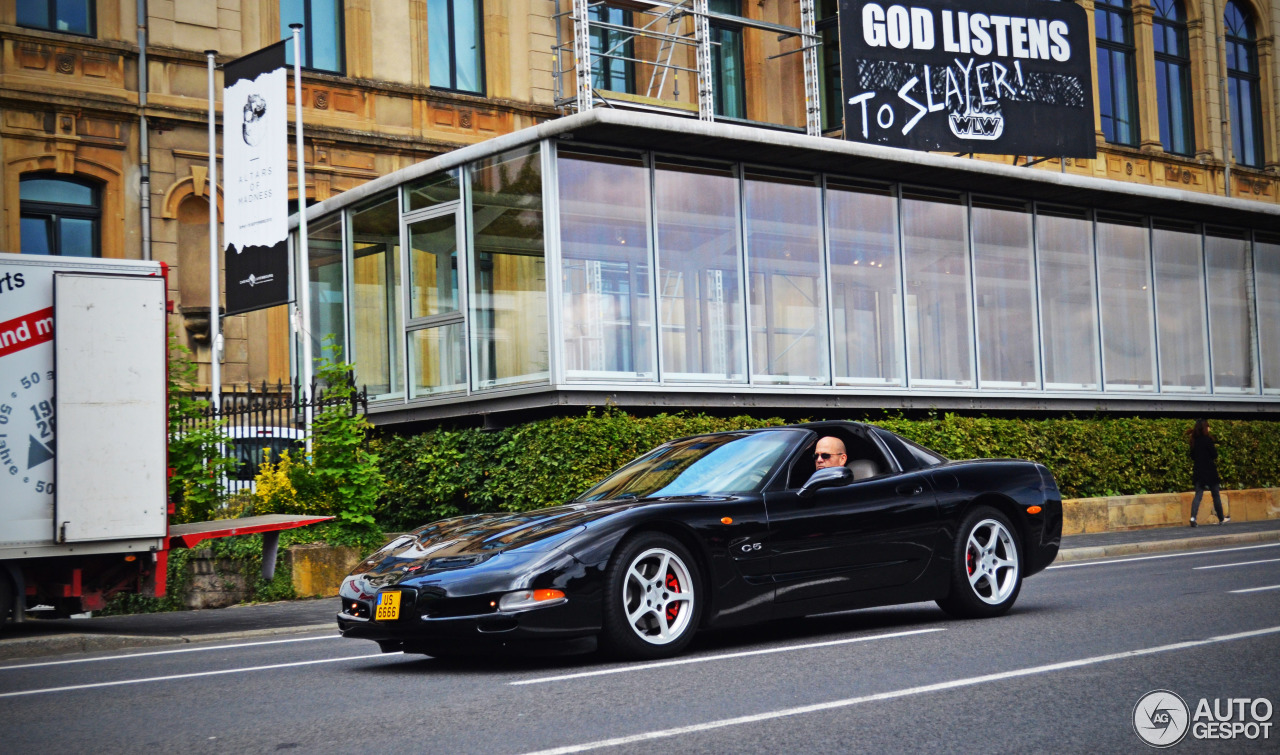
[[318, 569], [1136, 512]]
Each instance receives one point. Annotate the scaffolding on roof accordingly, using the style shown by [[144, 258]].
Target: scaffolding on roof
[[673, 37]]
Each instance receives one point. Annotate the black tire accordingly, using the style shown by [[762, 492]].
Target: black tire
[[986, 566], [651, 598]]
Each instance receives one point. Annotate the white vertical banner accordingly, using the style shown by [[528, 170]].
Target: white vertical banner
[[255, 148]]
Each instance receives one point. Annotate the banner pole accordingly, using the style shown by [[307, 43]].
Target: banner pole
[[215, 320], [304, 271]]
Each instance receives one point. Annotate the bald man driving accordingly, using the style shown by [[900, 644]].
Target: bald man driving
[[829, 453]]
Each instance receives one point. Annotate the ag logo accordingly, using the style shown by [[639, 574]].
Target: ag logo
[[1160, 718]]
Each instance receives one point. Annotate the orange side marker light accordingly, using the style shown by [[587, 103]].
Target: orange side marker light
[[726, 520], [1033, 509]]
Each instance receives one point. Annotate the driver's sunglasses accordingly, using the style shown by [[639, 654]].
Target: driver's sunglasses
[[824, 457]]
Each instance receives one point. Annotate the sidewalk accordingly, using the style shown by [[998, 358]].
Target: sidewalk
[[42, 637]]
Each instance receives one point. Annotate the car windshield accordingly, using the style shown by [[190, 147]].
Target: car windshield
[[707, 465]]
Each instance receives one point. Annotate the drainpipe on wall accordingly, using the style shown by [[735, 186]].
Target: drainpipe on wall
[[144, 144], [1226, 118]]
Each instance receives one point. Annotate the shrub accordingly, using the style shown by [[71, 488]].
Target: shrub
[[446, 472]]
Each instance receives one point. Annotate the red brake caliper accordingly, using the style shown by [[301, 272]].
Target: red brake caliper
[[673, 585], [971, 560]]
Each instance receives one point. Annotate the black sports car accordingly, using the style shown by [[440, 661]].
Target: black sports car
[[715, 531]]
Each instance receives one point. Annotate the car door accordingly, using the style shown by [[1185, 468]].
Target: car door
[[869, 534]]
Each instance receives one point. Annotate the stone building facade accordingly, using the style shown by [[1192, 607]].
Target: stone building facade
[[391, 83]]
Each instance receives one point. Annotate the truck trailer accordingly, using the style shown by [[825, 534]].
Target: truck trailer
[[84, 509]]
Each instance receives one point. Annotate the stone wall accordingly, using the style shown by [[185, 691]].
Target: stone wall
[[1135, 512]]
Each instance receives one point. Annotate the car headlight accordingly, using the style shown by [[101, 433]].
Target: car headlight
[[521, 600]]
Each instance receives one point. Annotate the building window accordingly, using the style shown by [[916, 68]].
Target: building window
[[454, 35], [69, 16], [866, 303], [1068, 301], [507, 271], [1128, 329], [1228, 268], [935, 251], [607, 313], [1242, 86], [1178, 254], [59, 216], [829, 66], [699, 252], [1173, 77], [1005, 294], [786, 291], [610, 49], [377, 347], [1266, 264], [322, 48], [727, 65], [1117, 95]]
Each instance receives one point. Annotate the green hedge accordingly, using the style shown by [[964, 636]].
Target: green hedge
[[447, 472]]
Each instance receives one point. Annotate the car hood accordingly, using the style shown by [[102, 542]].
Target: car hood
[[470, 540]]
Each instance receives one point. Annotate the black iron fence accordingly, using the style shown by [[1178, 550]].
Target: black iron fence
[[262, 422]]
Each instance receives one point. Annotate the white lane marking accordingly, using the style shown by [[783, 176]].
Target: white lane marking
[[169, 652], [1238, 563], [835, 704], [721, 657], [192, 675], [1257, 589], [1162, 555]]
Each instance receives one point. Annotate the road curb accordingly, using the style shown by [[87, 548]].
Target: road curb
[[1159, 546], [23, 648]]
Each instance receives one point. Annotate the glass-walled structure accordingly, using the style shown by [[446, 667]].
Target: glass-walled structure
[[561, 265]]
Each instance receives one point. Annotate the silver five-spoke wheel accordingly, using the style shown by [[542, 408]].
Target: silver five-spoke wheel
[[651, 602], [991, 562], [658, 597], [986, 573]]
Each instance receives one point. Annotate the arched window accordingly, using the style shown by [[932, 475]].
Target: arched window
[[59, 216], [1173, 77], [1242, 86], [1117, 96]]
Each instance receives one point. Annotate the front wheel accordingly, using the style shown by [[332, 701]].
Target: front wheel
[[651, 597], [986, 571]]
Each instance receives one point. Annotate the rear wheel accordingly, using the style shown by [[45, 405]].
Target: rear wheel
[[651, 602], [986, 572]]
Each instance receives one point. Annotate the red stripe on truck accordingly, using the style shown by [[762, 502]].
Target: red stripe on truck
[[26, 331]]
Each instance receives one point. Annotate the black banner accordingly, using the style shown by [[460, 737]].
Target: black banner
[[1011, 77], [255, 159]]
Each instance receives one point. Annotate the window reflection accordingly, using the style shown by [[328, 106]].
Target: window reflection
[[1124, 275], [1008, 351], [699, 268], [1266, 252], [437, 360], [604, 239], [936, 263], [1227, 263], [1068, 308], [1180, 310], [786, 282], [866, 305], [375, 297], [328, 310], [507, 270]]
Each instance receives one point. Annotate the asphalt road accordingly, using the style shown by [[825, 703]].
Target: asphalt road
[[1061, 673]]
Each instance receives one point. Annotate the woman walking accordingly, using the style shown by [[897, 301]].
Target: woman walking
[[1204, 469]]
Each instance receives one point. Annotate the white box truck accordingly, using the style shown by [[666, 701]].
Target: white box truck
[[84, 512]]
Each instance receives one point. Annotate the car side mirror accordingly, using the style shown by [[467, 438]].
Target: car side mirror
[[829, 477]]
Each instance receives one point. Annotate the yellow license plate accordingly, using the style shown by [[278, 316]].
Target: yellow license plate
[[388, 606]]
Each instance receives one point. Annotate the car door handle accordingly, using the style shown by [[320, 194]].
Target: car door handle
[[910, 489]]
